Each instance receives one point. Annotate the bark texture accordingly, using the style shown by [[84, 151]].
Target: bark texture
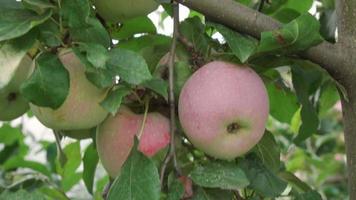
[[346, 12]]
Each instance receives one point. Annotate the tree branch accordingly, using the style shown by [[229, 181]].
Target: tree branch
[[346, 12], [171, 154], [335, 59]]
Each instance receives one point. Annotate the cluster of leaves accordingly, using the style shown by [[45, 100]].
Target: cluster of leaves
[[303, 134]]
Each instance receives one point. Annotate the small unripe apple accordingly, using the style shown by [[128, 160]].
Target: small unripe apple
[[121, 10], [12, 103], [115, 137], [223, 109], [81, 108]]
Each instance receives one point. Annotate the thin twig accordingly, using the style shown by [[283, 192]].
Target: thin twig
[[171, 154]]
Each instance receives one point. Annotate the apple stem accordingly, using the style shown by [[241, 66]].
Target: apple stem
[[147, 104], [61, 155], [172, 154]]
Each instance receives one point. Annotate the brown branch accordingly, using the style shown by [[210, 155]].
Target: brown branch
[[346, 14], [171, 154], [333, 58]]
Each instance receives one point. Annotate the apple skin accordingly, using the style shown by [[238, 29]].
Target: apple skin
[[80, 134], [12, 103], [115, 137], [121, 10], [81, 108], [223, 109]]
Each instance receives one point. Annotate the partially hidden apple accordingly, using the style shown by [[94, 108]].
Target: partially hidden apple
[[12, 103], [79, 134], [115, 137], [223, 109], [121, 10], [81, 108]]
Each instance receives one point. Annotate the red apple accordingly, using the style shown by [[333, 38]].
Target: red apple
[[115, 137], [223, 109]]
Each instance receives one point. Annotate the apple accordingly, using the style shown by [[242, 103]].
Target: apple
[[115, 137], [121, 10], [223, 109], [79, 134], [12, 103], [81, 108]]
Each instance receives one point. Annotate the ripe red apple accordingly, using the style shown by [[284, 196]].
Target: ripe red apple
[[223, 109], [115, 137], [14, 70], [121, 10], [81, 108]]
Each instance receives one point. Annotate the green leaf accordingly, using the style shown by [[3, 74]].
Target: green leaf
[[222, 175], [10, 4], [54, 193], [268, 151], [133, 26], [175, 189], [302, 82], [113, 100], [40, 6], [260, 177], [194, 31], [96, 54], [279, 95], [158, 85], [182, 71], [91, 32], [328, 98], [298, 35], [11, 54], [139, 179], [48, 86], [243, 47], [69, 173], [136, 44], [17, 22], [9, 135], [130, 66], [212, 194], [311, 195], [328, 22], [90, 161], [49, 33], [75, 12], [18, 162], [101, 78], [294, 181], [22, 194]]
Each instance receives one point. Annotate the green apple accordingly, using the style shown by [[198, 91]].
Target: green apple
[[81, 108], [223, 109], [121, 10], [80, 134], [14, 71]]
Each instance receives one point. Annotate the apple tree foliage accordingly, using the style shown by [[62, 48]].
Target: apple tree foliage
[[301, 155]]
